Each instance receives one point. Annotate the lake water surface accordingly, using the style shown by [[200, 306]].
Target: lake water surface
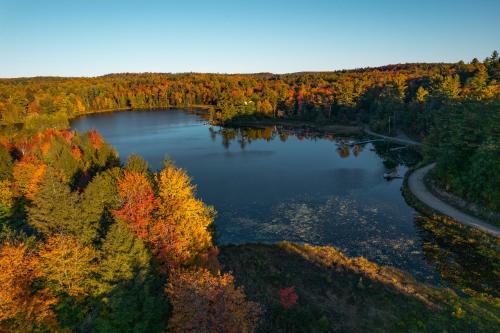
[[271, 184]]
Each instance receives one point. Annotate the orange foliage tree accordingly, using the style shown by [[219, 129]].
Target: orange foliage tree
[[95, 139], [168, 247], [27, 175], [22, 307], [203, 302]]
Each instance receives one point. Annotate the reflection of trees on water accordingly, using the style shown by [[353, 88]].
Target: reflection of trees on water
[[283, 136], [344, 149], [228, 135], [393, 155], [213, 133], [245, 136], [357, 149], [465, 257]]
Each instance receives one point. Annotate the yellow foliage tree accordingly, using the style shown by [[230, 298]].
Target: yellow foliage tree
[[68, 265], [189, 217], [6, 195]]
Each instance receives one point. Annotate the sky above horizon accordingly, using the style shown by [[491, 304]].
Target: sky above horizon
[[89, 38]]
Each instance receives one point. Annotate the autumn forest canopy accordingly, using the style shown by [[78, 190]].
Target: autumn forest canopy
[[92, 243]]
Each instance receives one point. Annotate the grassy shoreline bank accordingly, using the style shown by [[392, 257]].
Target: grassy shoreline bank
[[333, 292]]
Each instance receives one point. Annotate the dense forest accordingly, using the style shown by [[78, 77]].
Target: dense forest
[[89, 243], [402, 93]]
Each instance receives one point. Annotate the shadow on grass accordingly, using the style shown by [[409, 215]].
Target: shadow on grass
[[342, 294]]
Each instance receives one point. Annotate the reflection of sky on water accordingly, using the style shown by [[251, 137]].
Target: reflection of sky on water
[[273, 184]]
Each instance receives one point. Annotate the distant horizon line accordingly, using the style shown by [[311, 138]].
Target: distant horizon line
[[233, 73]]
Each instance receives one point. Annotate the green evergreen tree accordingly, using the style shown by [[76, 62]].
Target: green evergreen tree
[[60, 158], [100, 196], [56, 210], [131, 297]]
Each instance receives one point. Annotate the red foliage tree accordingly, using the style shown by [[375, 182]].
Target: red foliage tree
[[138, 202], [167, 245], [288, 297]]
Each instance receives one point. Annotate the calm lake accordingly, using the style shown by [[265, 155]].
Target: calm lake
[[272, 184]]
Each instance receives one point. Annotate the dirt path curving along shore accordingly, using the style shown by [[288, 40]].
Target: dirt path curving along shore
[[417, 187]]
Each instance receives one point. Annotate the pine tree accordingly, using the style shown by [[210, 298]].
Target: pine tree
[[130, 290], [56, 210], [60, 157], [99, 197]]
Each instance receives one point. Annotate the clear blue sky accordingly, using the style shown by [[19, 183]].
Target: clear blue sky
[[90, 37]]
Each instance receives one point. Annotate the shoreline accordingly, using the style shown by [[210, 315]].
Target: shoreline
[[295, 124], [256, 123], [155, 108]]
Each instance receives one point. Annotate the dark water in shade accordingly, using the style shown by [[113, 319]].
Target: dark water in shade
[[270, 185]]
